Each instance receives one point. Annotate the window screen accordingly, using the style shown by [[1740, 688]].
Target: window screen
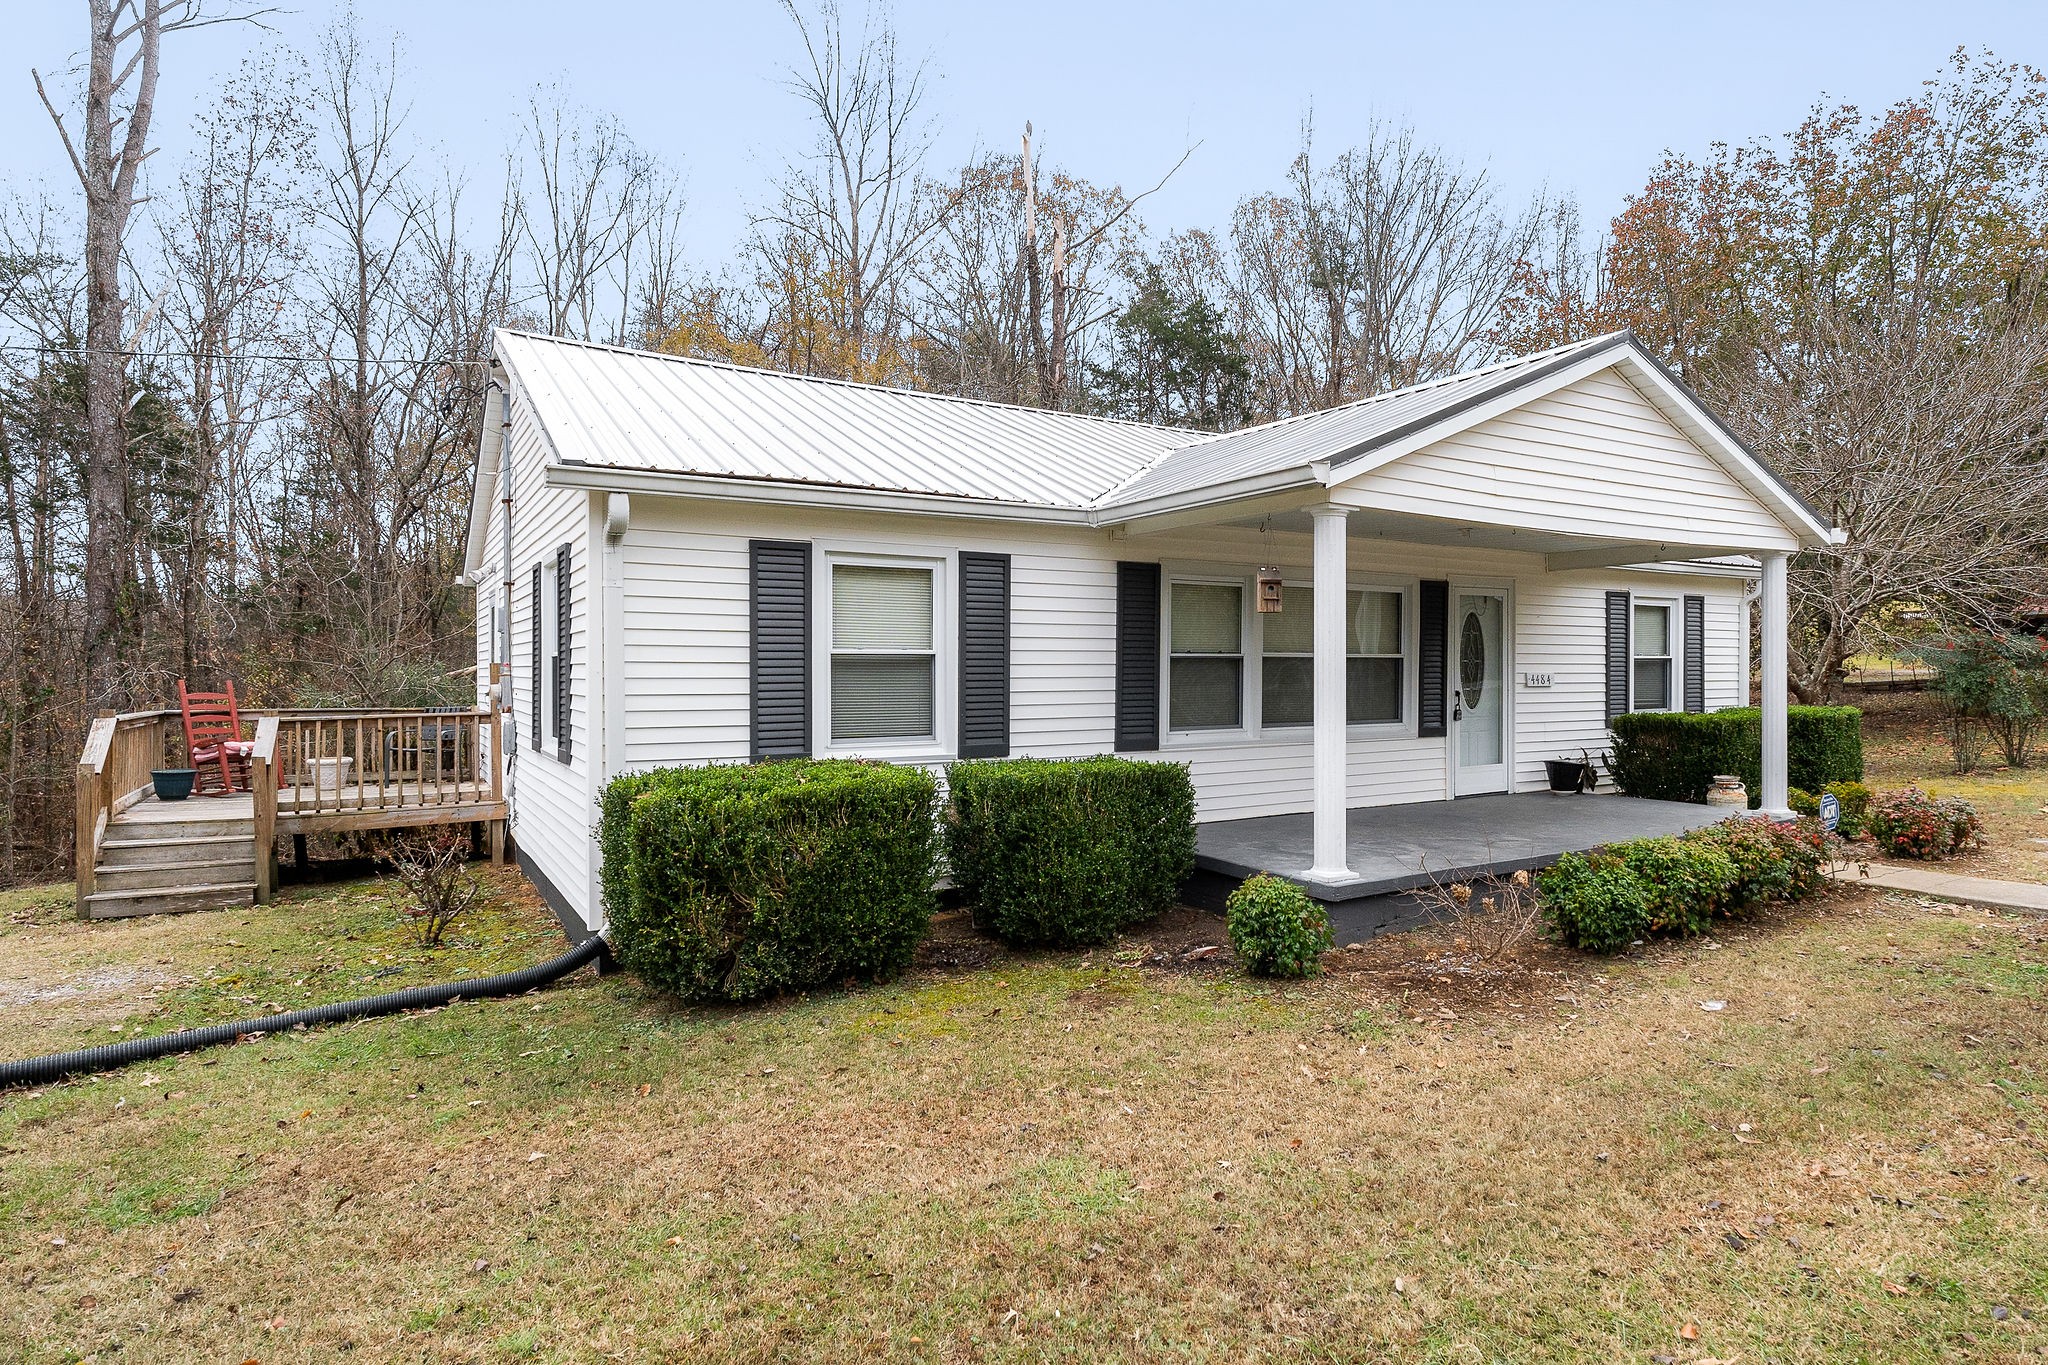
[[883, 681]]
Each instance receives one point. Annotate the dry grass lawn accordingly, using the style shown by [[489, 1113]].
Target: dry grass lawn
[[1903, 742], [1121, 1156]]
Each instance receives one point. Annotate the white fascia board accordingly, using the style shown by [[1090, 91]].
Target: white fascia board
[[1695, 569], [1214, 498], [780, 494], [1634, 555]]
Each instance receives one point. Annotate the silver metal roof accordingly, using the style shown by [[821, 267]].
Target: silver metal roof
[[606, 407], [622, 409]]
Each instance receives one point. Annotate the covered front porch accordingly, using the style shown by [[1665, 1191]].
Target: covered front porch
[[1391, 849]]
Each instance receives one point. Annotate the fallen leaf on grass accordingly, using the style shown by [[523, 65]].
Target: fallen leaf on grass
[[1891, 1288], [1690, 1331]]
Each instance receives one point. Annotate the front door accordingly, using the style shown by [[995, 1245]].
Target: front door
[[1479, 702]]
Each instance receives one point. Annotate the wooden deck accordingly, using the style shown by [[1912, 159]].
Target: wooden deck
[[309, 772]]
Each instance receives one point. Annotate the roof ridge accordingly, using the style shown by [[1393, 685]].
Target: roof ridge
[[890, 389]]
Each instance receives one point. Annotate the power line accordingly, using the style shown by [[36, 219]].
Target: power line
[[158, 353]]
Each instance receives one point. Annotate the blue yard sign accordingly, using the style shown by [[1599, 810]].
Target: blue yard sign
[[1830, 812]]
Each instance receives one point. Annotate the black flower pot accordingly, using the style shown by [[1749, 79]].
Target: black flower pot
[[173, 784], [1565, 774]]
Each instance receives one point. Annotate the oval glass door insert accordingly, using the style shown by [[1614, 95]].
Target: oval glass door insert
[[1472, 660]]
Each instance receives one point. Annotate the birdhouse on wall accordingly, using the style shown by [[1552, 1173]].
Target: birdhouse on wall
[[1269, 590]]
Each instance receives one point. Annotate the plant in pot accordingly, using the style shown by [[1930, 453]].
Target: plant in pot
[[172, 784], [1569, 776]]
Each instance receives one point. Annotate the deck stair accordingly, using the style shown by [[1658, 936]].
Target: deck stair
[[197, 854]]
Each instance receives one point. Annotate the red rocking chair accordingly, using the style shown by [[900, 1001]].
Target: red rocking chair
[[213, 739]]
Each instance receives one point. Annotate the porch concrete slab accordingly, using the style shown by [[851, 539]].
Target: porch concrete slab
[[2027, 897], [1398, 848]]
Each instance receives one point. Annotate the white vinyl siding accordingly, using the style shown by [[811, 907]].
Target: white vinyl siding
[[1595, 459], [551, 802], [686, 645]]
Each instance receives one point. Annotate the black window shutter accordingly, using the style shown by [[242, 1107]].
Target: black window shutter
[[1695, 653], [780, 654], [984, 655], [1432, 624], [536, 656], [1137, 656], [1617, 653], [562, 653]]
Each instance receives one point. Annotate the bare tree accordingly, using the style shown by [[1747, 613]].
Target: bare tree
[[597, 222], [1384, 268], [231, 240], [848, 221], [1006, 310], [124, 60]]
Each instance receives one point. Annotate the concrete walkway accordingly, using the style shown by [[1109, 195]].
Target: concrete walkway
[[2030, 897]]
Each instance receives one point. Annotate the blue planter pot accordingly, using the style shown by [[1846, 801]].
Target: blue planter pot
[[173, 784]]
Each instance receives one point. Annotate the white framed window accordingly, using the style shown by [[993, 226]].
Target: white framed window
[[1653, 656], [1205, 654], [883, 628], [548, 641], [1375, 662]]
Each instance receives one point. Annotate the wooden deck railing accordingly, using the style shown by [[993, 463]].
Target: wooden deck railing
[[310, 770], [113, 774], [342, 770]]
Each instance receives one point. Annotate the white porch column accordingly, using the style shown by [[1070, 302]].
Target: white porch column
[[1330, 583], [1772, 680]]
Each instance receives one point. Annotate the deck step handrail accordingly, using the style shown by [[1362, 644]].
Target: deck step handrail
[[114, 768]]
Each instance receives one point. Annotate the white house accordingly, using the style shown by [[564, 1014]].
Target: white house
[[678, 561]]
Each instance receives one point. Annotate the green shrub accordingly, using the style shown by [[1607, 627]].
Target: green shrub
[[1594, 901], [1763, 872], [1803, 846], [1276, 928], [1908, 823], [1675, 755], [1686, 882], [1063, 852], [1802, 802], [731, 882], [1855, 799]]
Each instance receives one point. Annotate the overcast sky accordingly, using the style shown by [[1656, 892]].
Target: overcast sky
[[1576, 96]]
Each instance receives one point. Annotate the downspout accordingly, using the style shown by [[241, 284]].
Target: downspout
[[505, 699]]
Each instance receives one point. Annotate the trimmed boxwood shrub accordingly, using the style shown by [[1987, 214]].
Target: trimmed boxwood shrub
[[1675, 755], [731, 882], [1594, 901], [1064, 852], [1276, 928]]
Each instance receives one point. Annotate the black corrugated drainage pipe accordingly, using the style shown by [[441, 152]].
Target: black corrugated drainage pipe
[[40, 1070]]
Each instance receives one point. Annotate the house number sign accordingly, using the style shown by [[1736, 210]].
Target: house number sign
[[1535, 680]]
